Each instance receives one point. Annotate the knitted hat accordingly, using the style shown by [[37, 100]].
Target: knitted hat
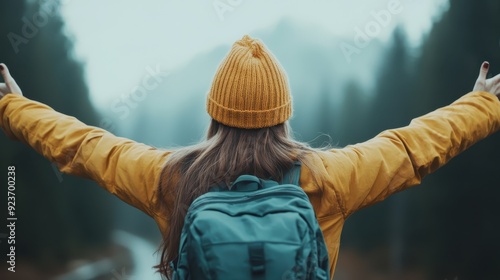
[[250, 88]]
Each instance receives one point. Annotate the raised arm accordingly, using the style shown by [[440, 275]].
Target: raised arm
[[125, 168], [366, 173]]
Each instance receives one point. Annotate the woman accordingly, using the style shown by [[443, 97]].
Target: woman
[[250, 103]]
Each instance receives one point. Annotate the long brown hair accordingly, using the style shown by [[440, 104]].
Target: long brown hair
[[226, 153]]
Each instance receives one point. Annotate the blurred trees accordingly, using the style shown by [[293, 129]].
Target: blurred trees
[[459, 202], [450, 225], [59, 217], [382, 227]]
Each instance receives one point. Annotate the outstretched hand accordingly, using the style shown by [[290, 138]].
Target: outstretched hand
[[9, 85], [491, 85]]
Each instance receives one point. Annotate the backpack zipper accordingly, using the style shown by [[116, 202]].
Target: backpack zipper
[[293, 191]]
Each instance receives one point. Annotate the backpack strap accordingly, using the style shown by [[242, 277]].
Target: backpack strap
[[257, 258], [293, 175]]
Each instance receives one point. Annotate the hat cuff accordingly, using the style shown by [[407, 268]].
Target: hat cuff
[[249, 119]]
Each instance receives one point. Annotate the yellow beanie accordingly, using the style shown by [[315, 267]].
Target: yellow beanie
[[250, 88]]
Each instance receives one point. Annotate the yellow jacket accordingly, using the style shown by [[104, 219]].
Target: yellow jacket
[[356, 176]]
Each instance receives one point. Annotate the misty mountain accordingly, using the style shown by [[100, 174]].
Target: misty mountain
[[174, 113]]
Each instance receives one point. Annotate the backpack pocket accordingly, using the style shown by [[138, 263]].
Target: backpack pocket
[[247, 247]]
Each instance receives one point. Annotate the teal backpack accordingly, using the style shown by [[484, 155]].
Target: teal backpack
[[259, 229]]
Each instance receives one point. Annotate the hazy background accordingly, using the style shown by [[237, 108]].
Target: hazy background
[[355, 69]]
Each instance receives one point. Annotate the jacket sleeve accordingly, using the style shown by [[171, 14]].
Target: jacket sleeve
[[128, 169], [369, 172]]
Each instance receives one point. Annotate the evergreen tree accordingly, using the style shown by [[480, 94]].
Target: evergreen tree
[[326, 119], [59, 217], [354, 115], [459, 222], [381, 227], [390, 107]]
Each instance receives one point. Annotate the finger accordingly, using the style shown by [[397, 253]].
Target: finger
[[494, 82], [4, 71], [483, 72], [9, 81], [496, 79], [3, 89], [5, 74]]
